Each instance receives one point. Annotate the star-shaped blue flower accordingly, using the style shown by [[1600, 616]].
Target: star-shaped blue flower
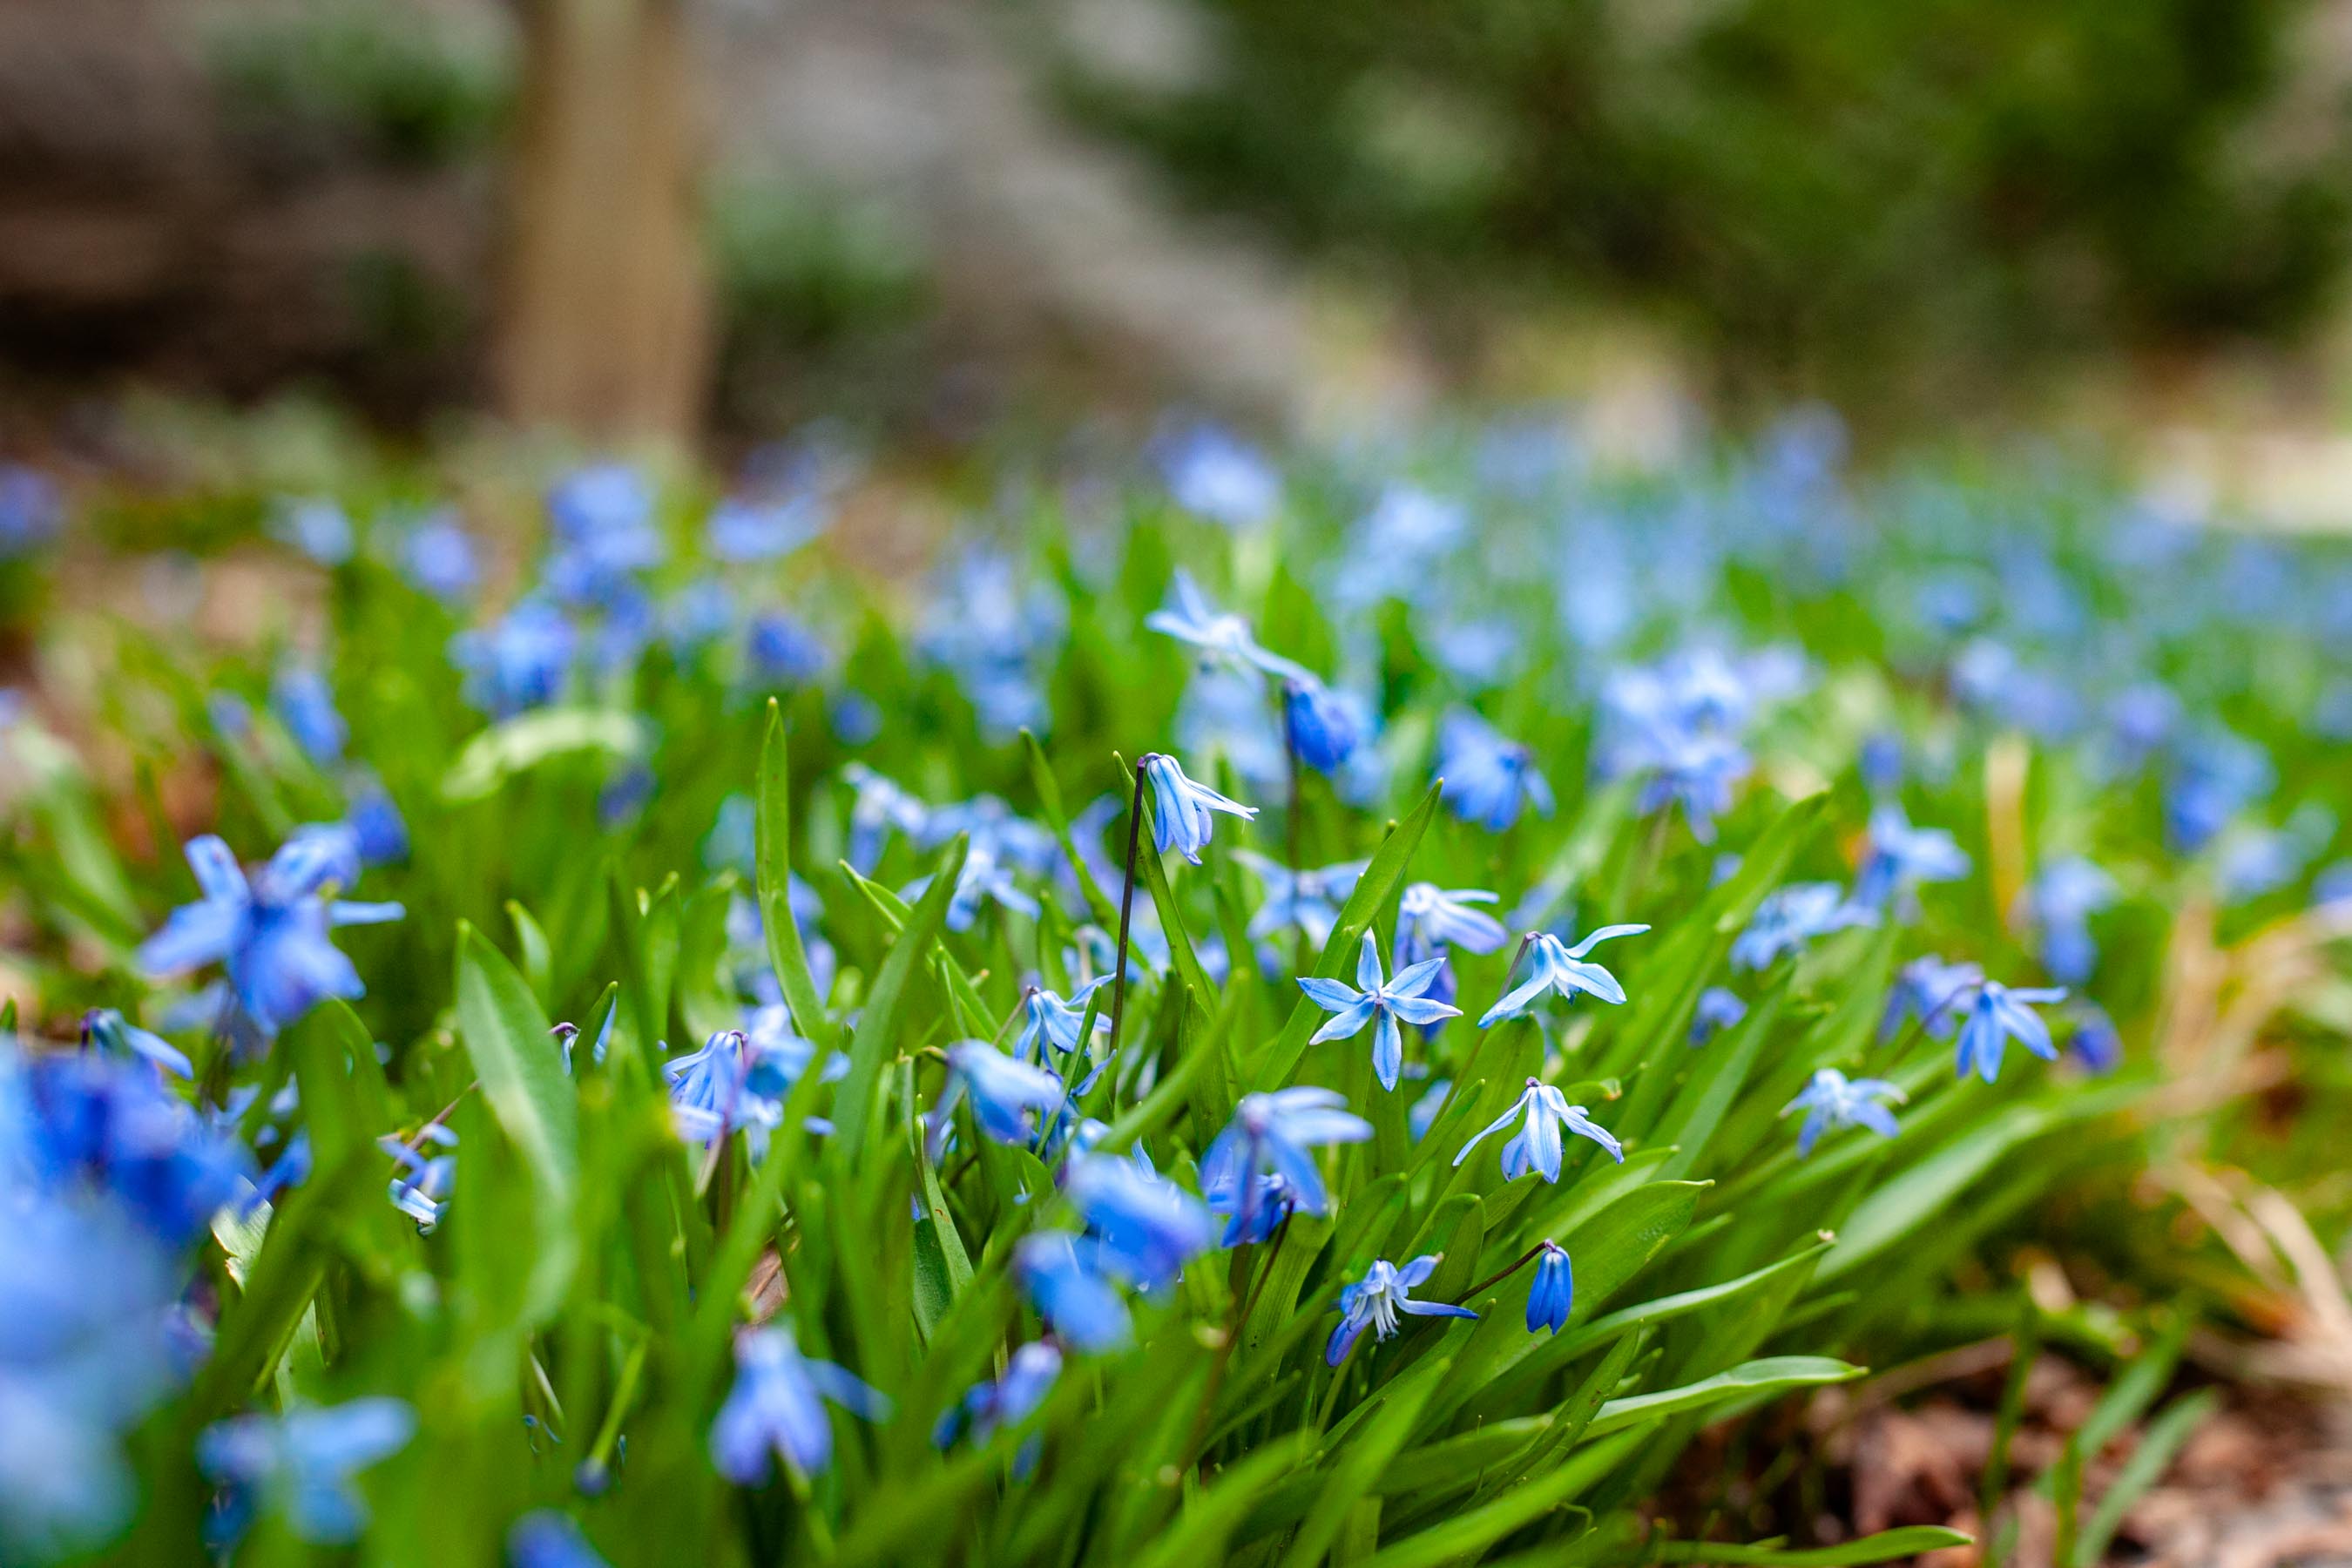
[[1553, 966], [1376, 998], [1999, 1015], [1832, 1100]]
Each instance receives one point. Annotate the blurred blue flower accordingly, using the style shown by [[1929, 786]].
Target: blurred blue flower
[[780, 651], [1423, 1114], [105, 1125], [2093, 1040], [300, 697], [1999, 1015], [437, 557], [1273, 1132], [303, 1463], [1309, 901], [697, 616], [1554, 966], [1004, 1092], [1552, 1295], [1717, 1009], [1321, 724], [118, 1036], [1927, 989], [2215, 775], [1792, 915], [881, 808], [270, 931], [518, 662], [1384, 1003], [1901, 857], [422, 1189], [1430, 919], [2334, 884], [1536, 1146], [604, 532], [1060, 1275], [1253, 1209], [1487, 778], [1832, 1100], [31, 510], [1224, 641], [546, 1538], [1211, 473], [376, 824], [764, 530], [1145, 1228], [1393, 550], [777, 1407], [1374, 1302], [2059, 903], [316, 526], [1181, 808], [1029, 1375]]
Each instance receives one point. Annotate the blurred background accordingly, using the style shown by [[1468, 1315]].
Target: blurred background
[[699, 223]]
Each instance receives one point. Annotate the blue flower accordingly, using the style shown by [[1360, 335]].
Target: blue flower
[[1321, 724], [1792, 915], [1374, 1302], [2060, 903], [780, 651], [1832, 1100], [1926, 989], [984, 877], [438, 558], [1536, 1145], [317, 527], [31, 510], [1555, 966], [1430, 919], [2215, 775], [1423, 1114], [745, 529], [1901, 857], [1487, 778], [422, 1191], [376, 824], [881, 807], [303, 1462], [1049, 1017], [1003, 1091], [737, 1082], [1061, 1274], [1224, 640], [1717, 1009], [300, 697], [2095, 1042], [546, 1538], [1999, 1015], [1181, 808], [1376, 1000], [1146, 1227], [1273, 1132], [518, 662], [1211, 472], [604, 533], [118, 1036], [271, 932], [1007, 1400], [1552, 1296], [777, 1407], [103, 1124], [1308, 900]]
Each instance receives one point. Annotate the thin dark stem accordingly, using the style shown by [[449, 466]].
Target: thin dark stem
[[1127, 905], [1492, 1280]]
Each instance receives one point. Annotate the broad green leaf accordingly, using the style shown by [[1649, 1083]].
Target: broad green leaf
[[878, 1026], [525, 742], [1748, 1380]]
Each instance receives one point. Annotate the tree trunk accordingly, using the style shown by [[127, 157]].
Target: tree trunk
[[606, 329]]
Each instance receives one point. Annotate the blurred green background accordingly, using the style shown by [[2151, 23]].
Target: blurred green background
[[690, 218]]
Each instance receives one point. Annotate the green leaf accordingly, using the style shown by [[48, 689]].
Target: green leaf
[[879, 1024], [519, 744], [521, 1068], [1049, 802], [1885, 1547], [786, 953], [2163, 1437], [1748, 1380]]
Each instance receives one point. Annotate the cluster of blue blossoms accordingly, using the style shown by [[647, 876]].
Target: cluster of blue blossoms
[[114, 1176]]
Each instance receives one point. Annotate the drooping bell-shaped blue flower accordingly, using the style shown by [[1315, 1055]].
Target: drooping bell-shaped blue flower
[[776, 1409], [1182, 810], [1536, 1146], [1554, 966], [1552, 1295]]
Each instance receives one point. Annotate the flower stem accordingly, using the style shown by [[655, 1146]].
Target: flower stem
[[1525, 1259], [1127, 906]]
